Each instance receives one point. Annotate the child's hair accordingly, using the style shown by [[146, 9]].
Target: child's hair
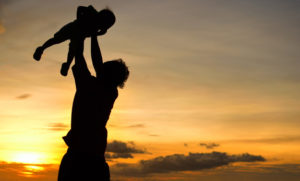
[[116, 72], [108, 17]]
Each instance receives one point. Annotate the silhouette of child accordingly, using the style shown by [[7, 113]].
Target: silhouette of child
[[89, 22]]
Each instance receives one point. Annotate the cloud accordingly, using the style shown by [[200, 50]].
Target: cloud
[[58, 126], [119, 149], [22, 96], [180, 162], [245, 172], [128, 126], [209, 145], [136, 126], [118, 155]]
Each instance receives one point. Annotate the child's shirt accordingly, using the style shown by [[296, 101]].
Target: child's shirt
[[86, 20], [86, 13]]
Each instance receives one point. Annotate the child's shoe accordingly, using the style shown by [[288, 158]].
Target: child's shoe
[[64, 69], [38, 53]]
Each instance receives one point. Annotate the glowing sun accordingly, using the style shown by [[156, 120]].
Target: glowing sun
[[27, 157]]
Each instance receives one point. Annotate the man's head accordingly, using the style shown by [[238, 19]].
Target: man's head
[[106, 18], [115, 72]]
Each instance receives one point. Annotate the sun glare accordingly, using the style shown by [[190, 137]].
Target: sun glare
[[28, 157], [32, 170]]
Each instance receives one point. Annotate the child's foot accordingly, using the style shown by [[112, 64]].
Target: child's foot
[[64, 69], [38, 53]]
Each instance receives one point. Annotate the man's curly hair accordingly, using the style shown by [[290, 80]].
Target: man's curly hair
[[116, 71]]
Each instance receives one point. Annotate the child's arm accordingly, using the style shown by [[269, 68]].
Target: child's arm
[[96, 56]]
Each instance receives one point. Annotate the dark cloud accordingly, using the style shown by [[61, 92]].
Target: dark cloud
[[180, 162], [119, 149], [57, 127], [155, 135], [209, 145], [185, 144], [118, 155], [22, 96]]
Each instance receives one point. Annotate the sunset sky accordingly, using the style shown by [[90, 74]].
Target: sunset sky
[[213, 94]]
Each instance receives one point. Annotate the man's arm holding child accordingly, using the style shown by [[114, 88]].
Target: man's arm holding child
[[96, 56], [81, 72]]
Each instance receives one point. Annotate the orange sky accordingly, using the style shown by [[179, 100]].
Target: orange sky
[[207, 71]]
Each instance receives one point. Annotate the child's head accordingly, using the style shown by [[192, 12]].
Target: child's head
[[107, 18], [115, 72]]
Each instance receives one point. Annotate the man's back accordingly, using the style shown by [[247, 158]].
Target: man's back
[[92, 106]]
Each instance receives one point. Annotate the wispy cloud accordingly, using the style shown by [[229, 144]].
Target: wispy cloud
[[128, 126], [180, 162], [57, 127], [209, 145], [274, 140], [119, 149], [136, 126], [23, 96]]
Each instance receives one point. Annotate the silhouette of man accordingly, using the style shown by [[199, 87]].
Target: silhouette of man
[[93, 101]]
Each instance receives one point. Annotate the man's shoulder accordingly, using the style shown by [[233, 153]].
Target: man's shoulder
[[113, 92]]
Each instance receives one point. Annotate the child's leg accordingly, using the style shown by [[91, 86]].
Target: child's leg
[[62, 35], [65, 66], [52, 41]]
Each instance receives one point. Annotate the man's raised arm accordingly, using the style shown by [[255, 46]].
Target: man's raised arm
[[80, 69], [96, 56]]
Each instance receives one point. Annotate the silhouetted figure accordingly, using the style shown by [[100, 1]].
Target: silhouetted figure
[[89, 22], [93, 101]]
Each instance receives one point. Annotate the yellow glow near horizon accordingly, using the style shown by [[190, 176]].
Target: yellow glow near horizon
[[34, 168], [28, 157], [30, 170]]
